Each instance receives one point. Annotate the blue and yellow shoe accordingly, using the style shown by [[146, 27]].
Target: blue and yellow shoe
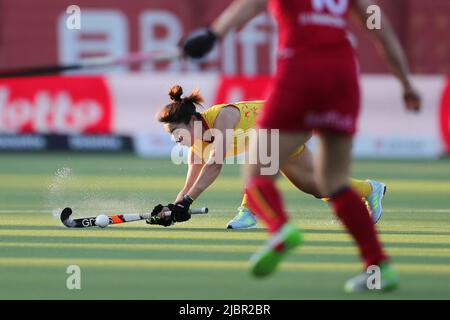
[[389, 280], [375, 199], [245, 219], [265, 261]]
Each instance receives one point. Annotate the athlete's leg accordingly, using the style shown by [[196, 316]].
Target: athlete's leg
[[263, 197], [265, 200], [299, 170], [332, 176]]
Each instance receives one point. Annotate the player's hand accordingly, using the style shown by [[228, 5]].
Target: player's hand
[[180, 210], [158, 217], [199, 43], [411, 98]]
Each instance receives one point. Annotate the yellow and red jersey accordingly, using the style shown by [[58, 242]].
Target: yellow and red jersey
[[249, 111]]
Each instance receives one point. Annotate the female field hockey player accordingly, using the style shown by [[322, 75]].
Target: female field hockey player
[[316, 87], [179, 117]]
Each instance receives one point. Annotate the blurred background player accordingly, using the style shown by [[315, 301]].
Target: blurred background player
[[179, 118], [316, 87]]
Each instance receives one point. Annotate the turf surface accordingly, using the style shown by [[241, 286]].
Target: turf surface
[[200, 259]]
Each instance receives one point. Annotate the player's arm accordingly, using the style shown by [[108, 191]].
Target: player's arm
[[201, 42], [195, 165], [227, 119], [392, 51]]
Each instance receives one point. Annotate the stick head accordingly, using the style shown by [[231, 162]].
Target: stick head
[[65, 218]]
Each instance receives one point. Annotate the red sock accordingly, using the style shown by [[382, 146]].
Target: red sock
[[265, 201], [353, 213]]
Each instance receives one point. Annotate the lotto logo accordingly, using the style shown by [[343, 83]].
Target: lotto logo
[[61, 105]]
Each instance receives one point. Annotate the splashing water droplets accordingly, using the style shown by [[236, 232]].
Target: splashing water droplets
[[57, 195]]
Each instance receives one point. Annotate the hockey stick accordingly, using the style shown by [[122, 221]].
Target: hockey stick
[[113, 219], [96, 62]]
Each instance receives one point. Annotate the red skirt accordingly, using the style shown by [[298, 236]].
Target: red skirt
[[316, 93]]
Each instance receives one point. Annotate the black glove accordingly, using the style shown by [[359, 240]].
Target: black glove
[[180, 210], [155, 218], [199, 43]]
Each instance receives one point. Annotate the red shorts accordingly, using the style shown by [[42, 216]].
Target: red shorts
[[314, 93]]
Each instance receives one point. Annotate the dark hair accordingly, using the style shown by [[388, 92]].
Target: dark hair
[[181, 109]]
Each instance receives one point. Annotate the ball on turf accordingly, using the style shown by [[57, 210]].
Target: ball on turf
[[102, 221]]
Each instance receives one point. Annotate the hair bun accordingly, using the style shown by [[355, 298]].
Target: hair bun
[[175, 93]]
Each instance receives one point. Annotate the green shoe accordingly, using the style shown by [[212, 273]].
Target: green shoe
[[266, 260], [360, 283]]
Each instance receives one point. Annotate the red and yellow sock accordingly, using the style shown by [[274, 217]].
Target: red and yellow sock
[[265, 201]]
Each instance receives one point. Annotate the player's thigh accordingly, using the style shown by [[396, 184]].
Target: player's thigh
[[333, 167], [280, 145], [299, 170]]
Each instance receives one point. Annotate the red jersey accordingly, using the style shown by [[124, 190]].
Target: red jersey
[[316, 85], [310, 24]]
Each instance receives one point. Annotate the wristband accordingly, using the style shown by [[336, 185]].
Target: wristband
[[187, 198]]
